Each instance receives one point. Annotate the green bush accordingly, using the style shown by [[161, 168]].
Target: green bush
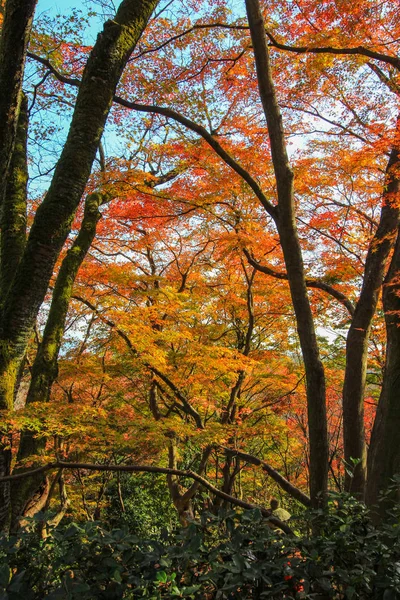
[[229, 556], [148, 507]]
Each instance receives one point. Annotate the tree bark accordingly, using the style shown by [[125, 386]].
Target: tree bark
[[12, 243], [286, 225], [13, 214], [14, 40], [45, 366], [359, 332], [53, 219], [384, 451]]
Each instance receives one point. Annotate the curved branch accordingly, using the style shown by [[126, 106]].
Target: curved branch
[[172, 114], [151, 469], [357, 50], [211, 141], [46, 63], [311, 283], [277, 477]]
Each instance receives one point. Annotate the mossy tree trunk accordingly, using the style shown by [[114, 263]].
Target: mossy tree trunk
[[45, 366], [12, 244], [53, 218], [13, 214], [15, 33]]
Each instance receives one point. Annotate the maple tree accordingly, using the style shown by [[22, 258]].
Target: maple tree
[[222, 242]]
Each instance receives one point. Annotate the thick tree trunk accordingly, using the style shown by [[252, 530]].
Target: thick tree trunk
[[359, 332], [286, 224], [54, 217], [14, 40], [12, 243], [13, 214], [384, 452]]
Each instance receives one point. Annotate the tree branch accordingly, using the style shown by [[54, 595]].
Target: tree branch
[[311, 283], [277, 477], [357, 50], [151, 469], [186, 406], [172, 114]]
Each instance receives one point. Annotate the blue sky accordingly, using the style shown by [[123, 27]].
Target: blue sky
[[58, 6], [65, 7]]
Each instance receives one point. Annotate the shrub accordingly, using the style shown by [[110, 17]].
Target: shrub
[[229, 556]]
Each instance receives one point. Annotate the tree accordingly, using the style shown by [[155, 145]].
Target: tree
[[210, 195], [26, 291]]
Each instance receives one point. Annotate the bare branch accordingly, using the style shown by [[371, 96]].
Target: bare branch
[[151, 469], [311, 283], [277, 477], [357, 50]]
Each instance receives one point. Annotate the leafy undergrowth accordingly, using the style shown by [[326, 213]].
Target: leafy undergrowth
[[229, 556]]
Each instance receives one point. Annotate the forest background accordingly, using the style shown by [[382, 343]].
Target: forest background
[[192, 281]]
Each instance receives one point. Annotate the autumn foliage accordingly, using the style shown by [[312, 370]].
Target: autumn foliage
[[238, 226]]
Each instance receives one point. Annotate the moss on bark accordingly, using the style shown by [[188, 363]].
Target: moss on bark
[[16, 31], [13, 217], [45, 366]]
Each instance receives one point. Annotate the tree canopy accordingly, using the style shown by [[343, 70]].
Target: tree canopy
[[199, 254]]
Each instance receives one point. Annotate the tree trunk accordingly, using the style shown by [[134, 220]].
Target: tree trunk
[[13, 215], [12, 243], [286, 224], [45, 366], [14, 40], [384, 452], [53, 219], [359, 332]]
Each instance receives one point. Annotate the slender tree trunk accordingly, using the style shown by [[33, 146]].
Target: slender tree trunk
[[359, 332], [45, 366], [286, 224], [384, 451], [183, 501]]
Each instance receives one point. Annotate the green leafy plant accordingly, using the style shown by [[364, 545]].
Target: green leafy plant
[[231, 555]]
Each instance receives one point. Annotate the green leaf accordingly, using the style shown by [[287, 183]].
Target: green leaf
[[5, 575], [390, 594], [188, 591], [161, 576], [117, 576], [16, 582]]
